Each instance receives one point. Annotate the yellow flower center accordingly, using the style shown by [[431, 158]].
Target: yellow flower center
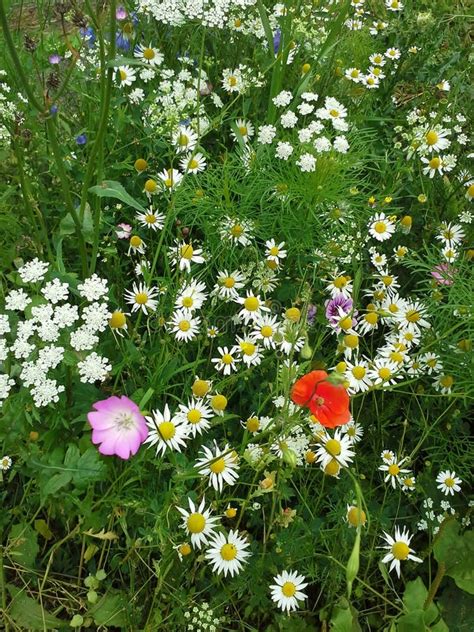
[[346, 323], [340, 282], [248, 348], [150, 186], [200, 388], [219, 402], [196, 523], [266, 331], [228, 282], [431, 138], [446, 381], [413, 316], [187, 301], [218, 466], [228, 552], [332, 468], [380, 227], [377, 59], [167, 430], [123, 75], [141, 298], [140, 164], [184, 549], [333, 447], [135, 241], [193, 164], [274, 251], [184, 325], [243, 130], [187, 251], [435, 162], [183, 140], [358, 372], [117, 320], [354, 73], [371, 318], [293, 314], [351, 341], [449, 482], [251, 303], [334, 113], [470, 190], [194, 416], [232, 81], [400, 550], [236, 231], [384, 373], [227, 358], [253, 424], [288, 589], [150, 218], [356, 516], [393, 469], [149, 53]]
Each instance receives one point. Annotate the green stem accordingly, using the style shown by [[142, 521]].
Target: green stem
[[3, 590], [50, 126], [435, 585], [16, 61]]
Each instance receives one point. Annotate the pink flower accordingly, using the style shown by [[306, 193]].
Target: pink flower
[[443, 273], [118, 426], [123, 231]]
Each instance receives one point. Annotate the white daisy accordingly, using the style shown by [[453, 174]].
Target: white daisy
[[191, 296], [274, 252], [338, 447], [198, 523], [287, 590], [150, 219], [353, 430], [448, 482], [193, 163], [142, 297], [219, 465], [228, 284], [184, 325], [197, 415], [184, 254], [250, 353], [399, 549], [381, 227], [227, 361], [170, 178], [184, 139], [252, 306], [228, 553], [394, 469], [167, 432], [265, 328], [127, 75], [148, 54]]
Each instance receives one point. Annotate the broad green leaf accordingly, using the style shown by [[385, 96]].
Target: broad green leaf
[[42, 528], [414, 599], [90, 468], [55, 483], [344, 618], [23, 544], [412, 622], [28, 613], [110, 610], [110, 188], [456, 552], [67, 225]]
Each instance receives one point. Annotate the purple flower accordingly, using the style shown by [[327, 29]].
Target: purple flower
[[118, 426], [53, 110], [81, 139], [337, 308], [311, 314], [276, 41], [55, 58], [89, 35], [121, 13]]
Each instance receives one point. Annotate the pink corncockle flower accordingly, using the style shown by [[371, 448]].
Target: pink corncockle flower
[[123, 231], [443, 274], [121, 13], [118, 426]]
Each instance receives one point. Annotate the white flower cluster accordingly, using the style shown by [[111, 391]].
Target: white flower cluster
[[8, 109], [210, 13], [46, 327]]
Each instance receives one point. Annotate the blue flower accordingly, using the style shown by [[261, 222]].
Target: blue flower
[[81, 139], [276, 41]]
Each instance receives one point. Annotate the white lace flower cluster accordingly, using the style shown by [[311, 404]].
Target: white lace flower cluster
[[8, 109], [43, 325]]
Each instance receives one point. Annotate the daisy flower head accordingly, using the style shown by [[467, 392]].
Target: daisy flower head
[[398, 549], [377, 59], [118, 426], [219, 465], [5, 463], [407, 482], [340, 283], [338, 447], [198, 523], [191, 296], [148, 54], [436, 139], [237, 231], [227, 554], [357, 376], [252, 307], [393, 471], [166, 431], [265, 328], [250, 353], [448, 482], [371, 81], [197, 415], [184, 325], [184, 139], [393, 5], [355, 516], [227, 360], [412, 317], [193, 163], [232, 80], [387, 456], [353, 430], [287, 590], [170, 178], [118, 321], [353, 74], [245, 130], [183, 255], [228, 283], [384, 372], [136, 244], [437, 165], [392, 53], [381, 227], [142, 297], [126, 76], [151, 219], [275, 252]]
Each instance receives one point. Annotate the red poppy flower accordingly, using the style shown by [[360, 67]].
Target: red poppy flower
[[328, 402]]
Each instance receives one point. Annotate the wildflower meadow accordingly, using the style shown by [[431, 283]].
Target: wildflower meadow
[[236, 316]]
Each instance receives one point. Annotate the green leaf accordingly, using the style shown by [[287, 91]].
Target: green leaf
[[42, 528], [412, 622], [23, 543], [89, 468], [414, 599], [110, 610], [28, 614], [68, 227], [344, 618], [456, 552], [110, 188], [55, 483]]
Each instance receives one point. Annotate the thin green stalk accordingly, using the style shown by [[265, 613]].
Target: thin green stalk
[[16, 61], [50, 126], [3, 590]]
